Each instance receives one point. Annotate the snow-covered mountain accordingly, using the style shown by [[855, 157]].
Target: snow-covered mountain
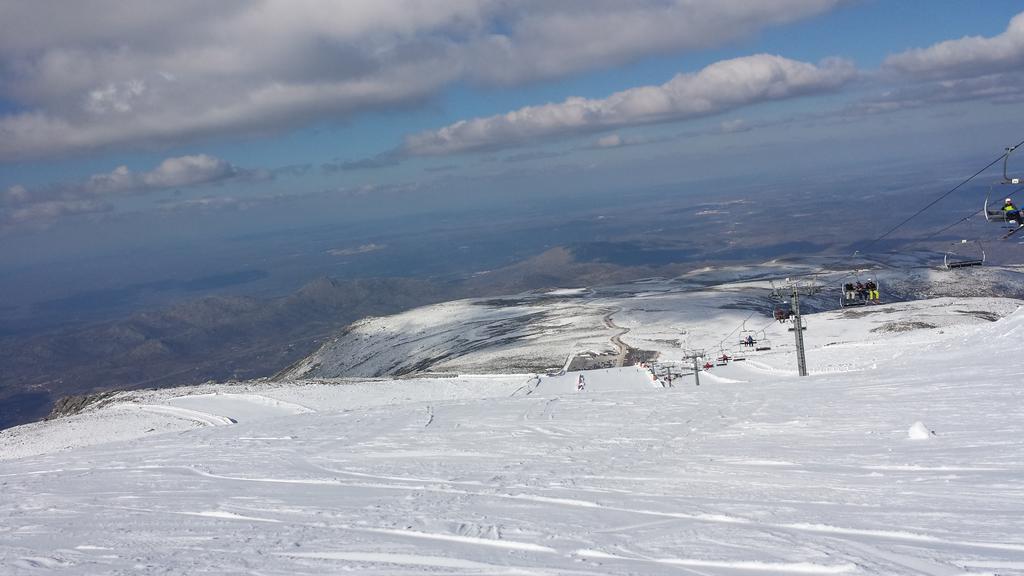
[[901, 453], [708, 309]]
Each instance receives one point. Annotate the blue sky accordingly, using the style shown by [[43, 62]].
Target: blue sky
[[176, 113]]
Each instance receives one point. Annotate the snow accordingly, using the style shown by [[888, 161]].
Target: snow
[[475, 336], [136, 414], [756, 471], [567, 292], [919, 431], [239, 406], [608, 379]]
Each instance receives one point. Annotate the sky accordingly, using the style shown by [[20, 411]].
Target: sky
[[131, 127]]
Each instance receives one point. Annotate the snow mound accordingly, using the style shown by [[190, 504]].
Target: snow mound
[[919, 431]]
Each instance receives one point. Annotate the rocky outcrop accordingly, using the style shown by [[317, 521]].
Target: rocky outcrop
[[69, 405]]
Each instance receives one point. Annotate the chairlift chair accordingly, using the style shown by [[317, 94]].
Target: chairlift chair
[[860, 298], [1007, 179], [748, 338], [845, 301], [737, 355], [994, 213], [724, 358], [960, 255], [782, 312], [762, 343]]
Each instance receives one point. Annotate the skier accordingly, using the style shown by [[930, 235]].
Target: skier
[[749, 342], [851, 292], [581, 384], [872, 289], [1012, 212]]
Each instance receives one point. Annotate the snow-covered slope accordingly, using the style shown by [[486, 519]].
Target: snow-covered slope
[[519, 334], [537, 331], [900, 454]]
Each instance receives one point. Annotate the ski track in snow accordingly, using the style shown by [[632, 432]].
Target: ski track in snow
[[183, 413], [754, 472], [785, 568], [413, 560]]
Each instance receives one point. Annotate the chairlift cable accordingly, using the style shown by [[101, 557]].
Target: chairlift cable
[[958, 222], [741, 324], [962, 220], [943, 196]]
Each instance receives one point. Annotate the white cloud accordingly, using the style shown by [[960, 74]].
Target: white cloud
[[735, 125], [180, 171], [120, 179], [972, 68], [967, 57], [50, 210], [115, 98], [16, 194], [720, 87], [205, 203], [609, 141], [104, 73], [19, 204], [188, 171], [549, 39]]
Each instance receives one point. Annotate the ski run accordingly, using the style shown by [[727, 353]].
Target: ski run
[[901, 453]]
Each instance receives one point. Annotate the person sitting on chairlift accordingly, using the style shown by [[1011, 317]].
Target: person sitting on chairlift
[[862, 292], [749, 341], [1012, 212], [872, 290], [849, 291]]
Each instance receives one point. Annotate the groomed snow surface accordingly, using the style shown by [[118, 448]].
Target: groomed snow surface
[[903, 454]]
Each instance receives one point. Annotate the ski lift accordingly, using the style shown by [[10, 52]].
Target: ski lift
[[723, 358], [962, 255], [1007, 179], [857, 293], [850, 296], [998, 214], [763, 343], [782, 312], [735, 355], [748, 338]]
